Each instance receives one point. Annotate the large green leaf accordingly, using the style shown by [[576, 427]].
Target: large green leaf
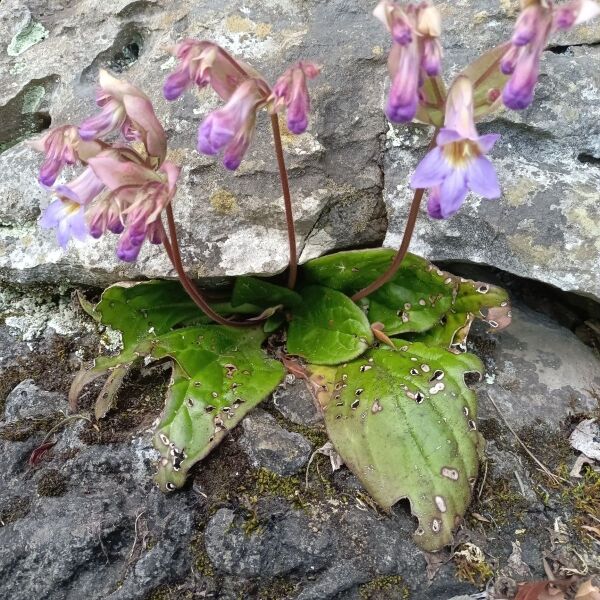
[[249, 290], [414, 300], [219, 375], [145, 309], [328, 328], [404, 422], [474, 299]]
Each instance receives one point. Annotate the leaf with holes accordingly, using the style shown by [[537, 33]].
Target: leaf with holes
[[404, 422], [328, 328], [140, 312], [219, 375], [474, 300], [414, 300], [488, 81]]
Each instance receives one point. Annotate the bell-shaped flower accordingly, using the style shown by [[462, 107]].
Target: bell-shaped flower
[[204, 63], [83, 189], [128, 109], [231, 127], [537, 21], [458, 163], [62, 146], [416, 54], [291, 91], [68, 218]]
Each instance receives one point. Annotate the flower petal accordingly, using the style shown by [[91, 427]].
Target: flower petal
[[447, 136], [482, 178], [487, 142], [453, 192], [431, 170], [140, 111], [116, 173]]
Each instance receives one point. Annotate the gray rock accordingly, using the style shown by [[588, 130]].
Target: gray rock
[[107, 533], [296, 403], [539, 371], [288, 542], [229, 223], [28, 401], [269, 445]]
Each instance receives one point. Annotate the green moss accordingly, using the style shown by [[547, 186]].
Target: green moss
[[278, 589], [14, 509], [477, 573], [202, 562], [499, 502], [390, 587], [52, 483]]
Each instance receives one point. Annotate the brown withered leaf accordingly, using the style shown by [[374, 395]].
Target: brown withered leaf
[[543, 590], [588, 590]]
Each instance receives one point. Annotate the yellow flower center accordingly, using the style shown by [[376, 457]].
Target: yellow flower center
[[460, 154]]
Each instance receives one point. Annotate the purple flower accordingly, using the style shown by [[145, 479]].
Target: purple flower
[[138, 197], [68, 219], [127, 108], [62, 146], [415, 55], [203, 63], [291, 91], [537, 21], [231, 128], [82, 189], [458, 163]]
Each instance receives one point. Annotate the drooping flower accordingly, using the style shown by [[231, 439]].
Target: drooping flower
[[68, 219], [127, 108], [458, 163], [231, 127], [291, 91], [416, 54], [204, 63], [537, 21], [138, 197], [62, 146]]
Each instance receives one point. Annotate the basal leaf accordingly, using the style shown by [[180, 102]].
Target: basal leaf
[[328, 328], [474, 300], [488, 81], [219, 375], [249, 290], [415, 300], [404, 422]]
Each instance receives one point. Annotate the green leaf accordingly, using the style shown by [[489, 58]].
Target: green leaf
[[248, 290], [149, 308], [474, 300], [414, 300], [488, 81], [404, 422], [328, 328], [432, 107], [220, 374]]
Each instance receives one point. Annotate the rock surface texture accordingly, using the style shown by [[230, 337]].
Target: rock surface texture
[[342, 170]]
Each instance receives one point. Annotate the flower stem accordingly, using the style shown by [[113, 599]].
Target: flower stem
[[406, 238], [174, 254], [287, 200]]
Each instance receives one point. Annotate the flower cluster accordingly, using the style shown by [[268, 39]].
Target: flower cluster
[[120, 189], [537, 21], [458, 163], [230, 129], [416, 54]]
